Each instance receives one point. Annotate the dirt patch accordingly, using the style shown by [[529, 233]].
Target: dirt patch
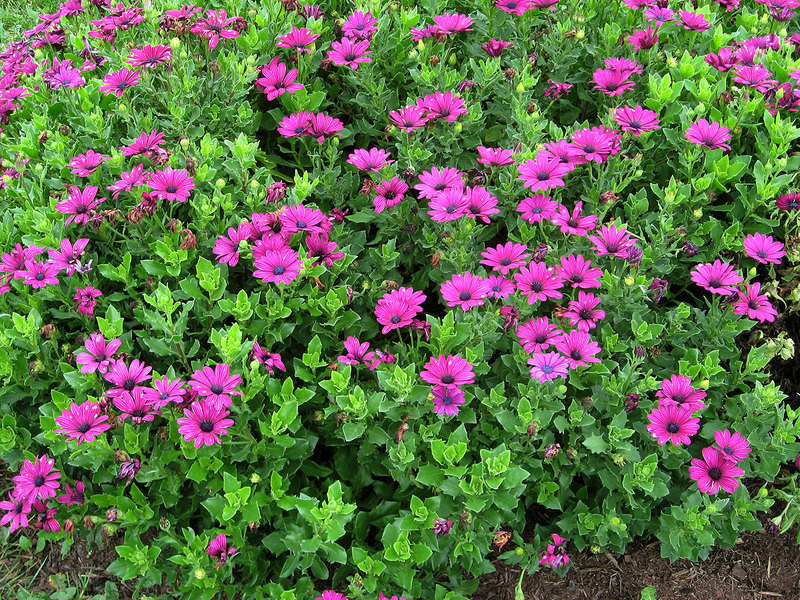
[[759, 567]]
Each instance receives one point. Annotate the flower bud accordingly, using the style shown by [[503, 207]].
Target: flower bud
[[175, 43], [220, 183], [255, 478], [580, 34], [697, 213], [520, 87], [457, 127], [671, 62], [200, 574], [452, 59]]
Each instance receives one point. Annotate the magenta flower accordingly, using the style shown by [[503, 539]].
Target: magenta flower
[[548, 366], [218, 547], [82, 422], [723, 60], [643, 39], [637, 120], [537, 281], [451, 23], [763, 248], [226, 248], [578, 348], [595, 144], [612, 241], [39, 275], [713, 472], [513, 7], [296, 124], [297, 39], [323, 126], [125, 378], [567, 153], [85, 300], [17, 512], [573, 223], [659, 15], [537, 208], [449, 371], [398, 308], [756, 77], [612, 81], [495, 157], [480, 203], [448, 205], [37, 479], [788, 201], [84, 165], [756, 306], [360, 25], [500, 287], [717, 278], [71, 496], [435, 182], [14, 262], [556, 553], [45, 517], [710, 135], [409, 117], [390, 194], [373, 159], [357, 352], [147, 144], [733, 448], [583, 312], [447, 399], [494, 48], [542, 173], [694, 21], [678, 390], [216, 384], [445, 106], [271, 360], [79, 205], [171, 184], [556, 89], [136, 406], [165, 391], [441, 527], [275, 80], [149, 56], [349, 52], [98, 355], [505, 257], [213, 27], [205, 422], [136, 177], [536, 335], [322, 250], [116, 83], [465, 290], [301, 218], [672, 423]]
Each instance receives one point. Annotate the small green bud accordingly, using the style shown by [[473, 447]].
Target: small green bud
[[697, 213], [671, 62], [580, 34], [458, 127], [520, 87], [220, 183], [452, 59], [255, 184], [175, 42], [255, 478], [200, 574], [413, 54]]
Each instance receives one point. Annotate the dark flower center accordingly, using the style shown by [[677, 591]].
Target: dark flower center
[[464, 296], [300, 129], [497, 288], [39, 481], [138, 413], [171, 189], [206, 426], [395, 319], [279, 270], [541, 338], [761, 254], [512, 5], [589, 149], [444, 112], [505, 262], [572, 223], [575, 355], [448, 379], [543, 176], [164, 396], [576, 278], [439, 186], [536, 210], [39, 276], [714, 283], [728, 450], [715, 473], [216, 389], [634, 124], [408, 123], [612, 86], [753, 305], [350, 56], [302, 224], [447, 399], [81, 209], [679, 398], [84, 427], [451, 208], [585, 314], [360, 27], [537, 286], [672, 427], [128, 384], [123, 84], [390, 195]]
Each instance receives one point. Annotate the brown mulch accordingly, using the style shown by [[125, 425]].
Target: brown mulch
[[759, 567]]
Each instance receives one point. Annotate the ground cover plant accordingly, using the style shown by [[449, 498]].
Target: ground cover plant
[[350, 300]]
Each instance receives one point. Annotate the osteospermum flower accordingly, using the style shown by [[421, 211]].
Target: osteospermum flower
[[583, 312], [713, 472], [165, 391], [578, 348], [301, 218], [756, 306], [659, 15], [128, 180], [270, 360], [447, 106], [71, 496], [612, 241], [643, 39], [357, 352], [409, 117], [595, 144], [757, 77], [717, 278], [149, 56], [538, 334], [276, 80], [557, 89], [733, 447], [450, 371], [147, 144], [710, 135], [447, 399], [693, 21], [390, 194], [513, 7], [126, 378], [763, 248], [788, 201], [499, 287], [480, 203], [373, 159], [612, 81], [448, 206], [451, 23], [205, 422], [215, 27], [546, 366], [98, 355], [435, 182], [80, 204], [82, 422], [226, 248], [135, 406], [672, 423], [637, 120], [573, 223], [85, 300], [116, 83], [171, 184], [465, 290], [297, 39], [84, 165], [37, 479], [543, 173], [537, 208], [66, 259], [17, 511], [360, 25], [678, 390], [556, 554], [38, 275], [322, 250], [495, 157], [505, 257], [349, 52], [398, 308], [537, 281], [216, 384], [296, 124]]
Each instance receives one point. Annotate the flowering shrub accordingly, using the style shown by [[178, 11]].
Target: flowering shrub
[[320, 301]]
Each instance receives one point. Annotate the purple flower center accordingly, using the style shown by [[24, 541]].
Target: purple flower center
[[139, 413], [123, 84], [672, 427], [590, 149], [216, 389], [541, 338], [547, 369], [585, 314], [612, 248], [301, 224], [728, 450], [164, 396], [543, 176], [753, 305], [536, 210], [360, 27], [447, 399], [448, 379], [81, 209], [575, 355], [389, 195], [451, 208], [576, 278], [634, 124], [395, 319], [206, 426], [84, 427], [537, 286], [715, 473], [279, 270], [350, 57], [128, 384], [464, 296], [714, 283], [761, 254], [572, 223], [171, 189], [440, 186], [39, 276], [497, 288], [505, 262], [300, 129], [39, 481]]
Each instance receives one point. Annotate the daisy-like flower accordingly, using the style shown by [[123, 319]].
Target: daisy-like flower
[[390, 194], [39, 275], [763, 248], [357, 352], [465, 290], [537, 208], [449, 371], [116, 83], [271, 360], [447, 106], [556, 554], [788, 201], [226, 248], [573, 223], [218, 547], [165, 391], [435, 182], [717, 278], [713, 472], [85, 300], [323, 126], [543, 173], [723, 60], [546, 366], [556, 89], [71, 496], [583, 312], [398, 308], [276, 80], [321, 249], [409, 117], [537, 281], [296, 124], [17, 511], [372, 160], [499, 287], [127, 378], [673, 423], [494, 48], [45, 517], [536, 335], [14, 262], [135, 406], [278, 266], [37, 479], [659, 15], [301, 218], [451, 23], [147, 144], [84, 165], [213, 27], [513, 7], [505, 257], [495, 157], [578, 348], [567, 153], [448, 205], [447, 399], [595, 144], [205, 422], [67, 258], [710, 135], [80, 204], [82, 422], [216, 384], [756, 306], [637, 120], [149, 56], [136, 177], [480, 203], [98, 355], [678, 390], [757, 77], [734, 448], [298, 39], [694, 21], [611, 81], [643, 39], [171, 184], [612, 241], [350, 52], [360, 26]]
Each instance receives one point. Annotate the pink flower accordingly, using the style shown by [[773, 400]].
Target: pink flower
[[556, 89], [548, 366], [278, 266], [451, 23], [537, 208], [449, 371], [390, 194], [297, 39], [556, 554], [67, 258], [480, 203], [165, 391], [171, 184], [349, 52], [373, 159], [39, 275], [82, 422], [678, 390], [126, 378], [435, 182], [595, 144], [694, 21], [116, 83], [360, 25], [205, 422], [537, 281], [637, 120], [37, 479], [513, 7], [275, 80], [505, 257], [500, 287], [398, 308], [713, 472], [98, 355], [717, 278], [226, 248], [216, 384], [582, 313], [147, 144], [573, 223], [542, 173], [213, 27], [409, 118], [465, 290], [495, 157], [84, 165], [756, 306], [357, 352], [84, 300], [323, 126], [271, 360], [134, 405], [297, 218], [71, 496], [447, 399], [128, 180], [710, 135], [17, 512], [612, 241], [763, 248], [445, 106], [538, 334], [611, 81], [494, 47], [672, 423], [149, 56], [79, 205], [448, 205], [578, 348], [643, 39], [733, 448]]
